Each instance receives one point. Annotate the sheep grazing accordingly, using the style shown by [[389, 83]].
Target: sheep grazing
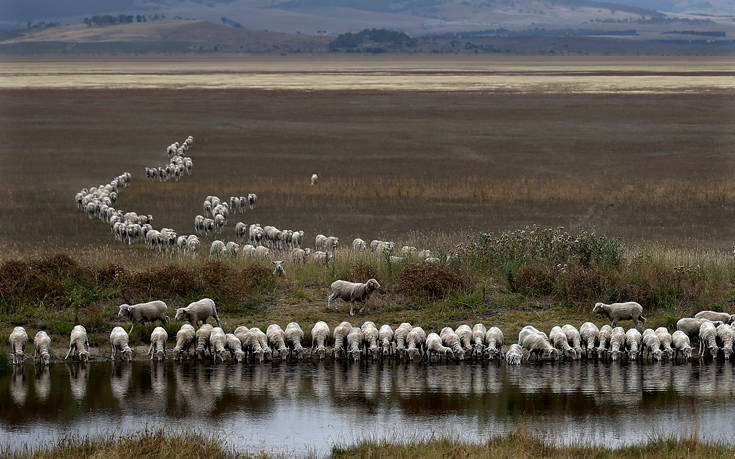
[[478, 340], [203, 341], [494, 343], [589, 336], [78, 343], [537, 344], [708, 339], [185, 339], [416, 340], [385, 340], [314, 179], [198, 311], [465, 338], [400, 337], [142, 313], [234, 345], [558, 339], [18, 339], [604, 340], [370, 334], [715, 316], [319, 336], [451, 340], [681, 344], [293, 336], [159, 336], [621, 311], [278, 271], [340, 339], [434, 347], [119, 340], [633, 343], [218, 344], [664, 337], [514, 356], [355, 343], [725, 338], [352, 291], [409, 251], [651, 344], [217, 249], [276, 340], [359, 244], [573, 338], [617, 343], [42, 348]]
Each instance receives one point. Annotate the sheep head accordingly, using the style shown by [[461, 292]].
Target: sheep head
[[572, 354], [278, 271], [127, 354], [45, 358], [413, 353], [161, 355], [372, 285], [321, 352], [239, 355], [449, 354], [124, 311], [181, 315], [599, 308]]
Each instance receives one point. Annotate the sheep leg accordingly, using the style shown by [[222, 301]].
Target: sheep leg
[[131, 328], [67, 354], [352, 304], [331, 298], [363, 307], [113, 353]]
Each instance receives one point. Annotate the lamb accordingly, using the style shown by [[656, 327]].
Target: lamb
[[18, 339], [651, 344], [144, 312], [352, 291], [276, 340], [559, 340], [185, 339], [217, 344], [359, 244], [119, 343], [278, 271], [633, 342], [451, 340], [708, 339], [621, 311], [293, 336], [198, 311], [78, 343], [416, 340], [434, 347], [340, 338], [617, 343], [400, 337], [234, 345], [681, 344], [370, 334], [314, 179], [573, 338], [355, 343], [514, 355], [319, 336], [385, 339], [604, 340], [203, 340], [41, 345], [494, 343], [537, 343], [159, 336], [478, 340], [715, 316], [465, 338], [664, 337]]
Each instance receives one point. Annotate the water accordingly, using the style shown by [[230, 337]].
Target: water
[[310, 406]]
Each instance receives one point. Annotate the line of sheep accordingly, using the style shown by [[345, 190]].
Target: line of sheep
[[217, 211], [178, 164]]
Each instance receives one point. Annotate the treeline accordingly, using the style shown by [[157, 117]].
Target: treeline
[[698, 33], [371, 41], [109, 19]]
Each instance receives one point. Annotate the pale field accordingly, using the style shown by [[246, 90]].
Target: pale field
[[557, 75]]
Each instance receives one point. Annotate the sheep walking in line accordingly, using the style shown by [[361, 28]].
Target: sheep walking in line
[[293, 337], [434, 347], [119, 342], [416, 340], [385, 339], [198, 311], [185, 340], [340, 339], [494, 340], [633, 343], [159, 336], [713, 316], [18, 339], [144, 313], [319, 336], [478, 340], [42, 348], [78, 343], [202, 346], [681, 344], [589, 336], [621, 311], [277, 340], [352, 291]]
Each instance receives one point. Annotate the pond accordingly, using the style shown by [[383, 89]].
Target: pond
[[306, 407]]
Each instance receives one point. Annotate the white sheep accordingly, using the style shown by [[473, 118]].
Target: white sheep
[[537, 343], [262, 252], [18, 339], [355, 343], [664, 337], [319, 336], [259, 345], [514, 355], [185, 339], [400, 337], [408, 251], [198, 311], [465, 338], [359, 244], [385, 339], [217, 249], [434, 347], [558, 339], [633, 343], [478, 340], [234, 345], [278, 270], [617, 343], [651, 344], [725, 338], [320, 242], [494, 340], [119, 340], [715, 316], [621, 311], [78, 343], [340, 339], [604, 340], [708, 339], [370, 335], [293, 337], [319, 257], [218, 344], [352, 291], [42, 347], [203, 340], [451, 340], [142, 313], [681, 344], [276, 340], [159, 336], [416, 340], [314, 179], [573, 338]]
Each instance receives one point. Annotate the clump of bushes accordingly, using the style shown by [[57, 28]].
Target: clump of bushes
[[359, 272], [429, 280]]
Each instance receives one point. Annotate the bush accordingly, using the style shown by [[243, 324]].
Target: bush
[[359, 272], [429, 280]]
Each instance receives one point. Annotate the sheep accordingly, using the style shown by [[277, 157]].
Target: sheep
[[258, 345], [340, 338], [232, 248], [262, 252], [192, 244], [514, 355], [621, 311], [203, 340], [408, 251], [278, 270], [681, 344], [424, 254], [234, 345], [664, 337], [651, 344], [217, 249], [604, 340], [78, 343], [434, 347], [119, 343], [400, 337], [559, 340], [331, 244], [432, 260], [18, 339], [41, 346], [144, 312], [416, 340], [217, 344], [159, 336], [185, 338], [319, 257], [494, 343], [690, 326], [478, 340], [276, 340], [293, 336], [352, 291], [359, 244], [252, 199], [725, 337], [617, 343], [319, 336], [314, 179], [633, 342], [573, 338], [385, 339], [537, 343], [465, 337], [708, 339], [298, 255], [198, 311], [320, 242], [451, 340], [355, 343], [715, 316], [370, 334]]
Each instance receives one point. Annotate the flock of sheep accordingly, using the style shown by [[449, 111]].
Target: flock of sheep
[[178, 164]]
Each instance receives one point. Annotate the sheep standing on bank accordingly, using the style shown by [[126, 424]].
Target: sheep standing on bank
[[633, 342], [435, 347], [621, 311], [355, 343], [142, 313], [725, 338], [400, 338], [18, 339], [352, 291], [681, 344], [385, 340], [537, 344], [494, 340], [589, 336], [451, 340], [465, 338], [42, 347], [573, 338], [293, 337], [277, 340], [218, 344], [708, 339], [478, 340], [514, 355], [185, 339], [119, 342], [416, 340], [198, 311], [234, 345], [651, 344], [203, 341], [604, 340], [319, 336], [78, 343], [664, 337], [159, 336], [714, 316], [340, 339], [558, 339], [617, 343]]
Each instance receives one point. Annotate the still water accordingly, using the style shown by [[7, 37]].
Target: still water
[[307, 407]]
